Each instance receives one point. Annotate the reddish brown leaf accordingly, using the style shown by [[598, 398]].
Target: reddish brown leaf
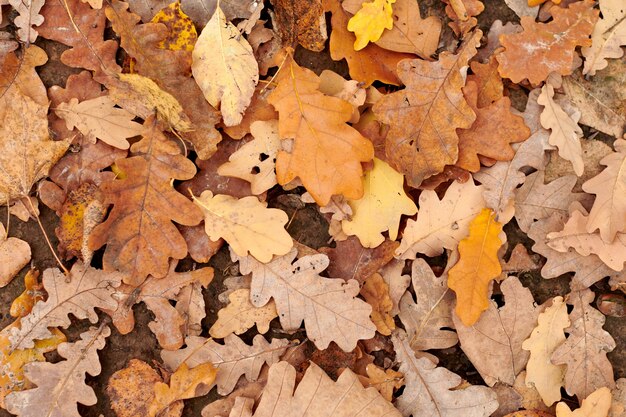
[[301, 22]]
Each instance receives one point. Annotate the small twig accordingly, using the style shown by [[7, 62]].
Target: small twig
[[45, 235]]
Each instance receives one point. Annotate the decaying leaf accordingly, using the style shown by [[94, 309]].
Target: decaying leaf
[[383, 199], [463, 14], [61, 386], [597, 404], [478, 265], [14, 255], [376, 292], [430, 390], [232, 359], [301, 22], [385, 381], [543, 48], [370, 21], [584, 351], [246, 224], [494, 342], [329, 307], [546, 377], [607, 38], [240, 315], [423, 118]]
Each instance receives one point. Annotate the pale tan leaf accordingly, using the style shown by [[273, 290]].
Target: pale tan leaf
[[78, 294], [584, 351], [246, 224], [430, 390], [385, 381], [232, 359], [14, 255], [376, 292], [607, 38], [398, 283], [494, 343], [225, 68], [546, 377], [29, 17], [609, 209], [597, 404], [618, 405], [99, 118], [441, 224], [241, 315], [255, 161], [329, 307], [61, 386]]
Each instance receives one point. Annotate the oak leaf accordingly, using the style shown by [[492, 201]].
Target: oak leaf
[[376, 292], [543, 48], [240, 315], [597, 404], [463, 14], [607, 38], [246, 224], [345, 397], [478, 265], [494, 343], [255, 161], [385, 381], [383, 199], [584, 351], [609, 208], [99, 118], [139, 234], [61, 386], [329, 307], [230, 77], [29, 16], [370, 21], [423, 118], [14, 255], [488, 80], [427, 318], [301, 23], [232, 359], [327, 153], [430, 390], [546, 377], [397, 282], [441, 224], [86, 289]]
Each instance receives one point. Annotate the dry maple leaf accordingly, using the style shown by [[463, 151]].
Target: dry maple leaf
[[494, 343], [240, 315], [430, 390], [584, 351], [441, 224], [609, 208], [300, 22], [61, 386], [376, 292], [546, 377], [139, 234], [344, 398], [427, 318], [232, 359], [78, 294], [607, 38], [14, 255], [478, 265], [326, 153], [329, 307], [246, 224], [543, 48], [423, 118], [383, 199], [597, 404]]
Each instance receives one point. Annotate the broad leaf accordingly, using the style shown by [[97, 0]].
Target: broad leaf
[[240, 315], [370, 21]]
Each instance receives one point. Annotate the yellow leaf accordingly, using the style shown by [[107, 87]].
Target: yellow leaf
[[225, 68], [185, 383], [370, 21], [246, 224], [385, 381], [241, 315], [381, 207], [376, 292], [478, 265], [182, 34], [597, 404]]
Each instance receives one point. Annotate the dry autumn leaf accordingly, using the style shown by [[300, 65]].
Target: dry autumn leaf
[[478, 265], [240, 315], [597, 404], [370, 21], [301, 22], [607, 38], [376, 292], [385, 381], [14, 255]]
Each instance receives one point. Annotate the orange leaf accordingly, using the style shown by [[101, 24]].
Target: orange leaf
[[477, 266], [490, 87], [546, 47], [326, 152]]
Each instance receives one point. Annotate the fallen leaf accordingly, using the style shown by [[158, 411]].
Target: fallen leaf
[[584, 351], [14, 255], [240, 315], [478, 265], [385, 381], [383, 199], [463, 14], [488, 81], [65, 379], [618, 405], [608, 35], [597, 404], [232, 359], [230, 78], [259, 110], [329, 307], [430, 390], [370, 21], [28, 17], [301, 23], [494, 343], [182, 34], [520, 260], [397, 282], [421, 141], [315, 122], [376, 293], [546, 377], [522, 8], [543, 48]]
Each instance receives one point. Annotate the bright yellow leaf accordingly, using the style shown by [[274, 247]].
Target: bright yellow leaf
[[182, 34], [384, 202], [478, 265], [370, 21]]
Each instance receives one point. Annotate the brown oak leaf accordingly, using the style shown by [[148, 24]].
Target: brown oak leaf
[[301, 22]]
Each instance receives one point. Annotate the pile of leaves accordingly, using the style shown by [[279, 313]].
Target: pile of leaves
[[185, 123]]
